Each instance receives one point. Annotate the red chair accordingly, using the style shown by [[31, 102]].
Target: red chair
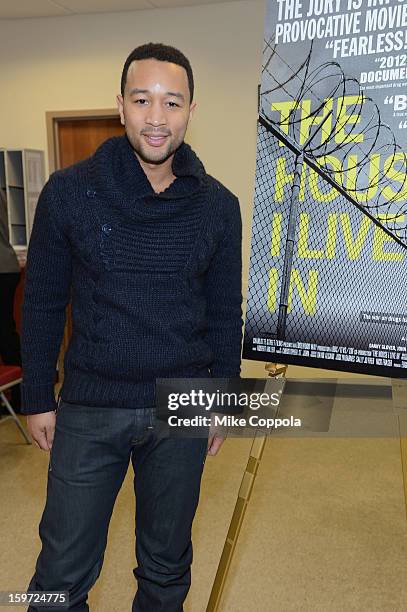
[[11, 375]]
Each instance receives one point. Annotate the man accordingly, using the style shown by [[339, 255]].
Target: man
[[149, 246]]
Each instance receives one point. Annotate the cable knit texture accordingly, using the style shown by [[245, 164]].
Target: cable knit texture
[[154, 279]]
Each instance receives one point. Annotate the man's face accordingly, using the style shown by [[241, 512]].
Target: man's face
[[155, 108]]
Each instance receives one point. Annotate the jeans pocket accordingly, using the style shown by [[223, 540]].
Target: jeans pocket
[[50, 455]]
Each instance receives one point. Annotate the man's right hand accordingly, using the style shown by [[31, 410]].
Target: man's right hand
[[41, 428]]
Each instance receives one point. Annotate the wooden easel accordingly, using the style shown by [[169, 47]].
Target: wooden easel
[[274, 370]]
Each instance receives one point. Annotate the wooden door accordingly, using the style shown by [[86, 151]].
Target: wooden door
[[79, 138]]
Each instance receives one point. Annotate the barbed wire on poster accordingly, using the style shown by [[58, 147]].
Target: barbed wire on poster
[[344, 131]]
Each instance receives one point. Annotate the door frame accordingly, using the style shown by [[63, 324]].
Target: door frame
[[54, 118]]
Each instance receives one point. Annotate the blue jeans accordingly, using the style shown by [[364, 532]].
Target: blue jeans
[[88, 462]]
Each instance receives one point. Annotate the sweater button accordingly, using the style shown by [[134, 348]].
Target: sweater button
[[106, 228]]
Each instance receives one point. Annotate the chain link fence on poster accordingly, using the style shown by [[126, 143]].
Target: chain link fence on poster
[[328, 280]]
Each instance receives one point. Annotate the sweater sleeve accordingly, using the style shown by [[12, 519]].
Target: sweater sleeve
[[46, 295], [223, 287]]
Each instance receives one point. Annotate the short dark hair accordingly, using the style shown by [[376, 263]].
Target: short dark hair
[[163, 53]]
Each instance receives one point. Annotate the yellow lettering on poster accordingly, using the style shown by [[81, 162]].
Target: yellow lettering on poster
[[308, 297]]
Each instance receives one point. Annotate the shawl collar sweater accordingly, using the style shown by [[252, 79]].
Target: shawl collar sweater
[[154, 281]]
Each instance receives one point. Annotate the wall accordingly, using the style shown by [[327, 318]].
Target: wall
[[75, 63]]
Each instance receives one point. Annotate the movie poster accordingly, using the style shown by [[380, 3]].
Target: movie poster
[[328, 276]]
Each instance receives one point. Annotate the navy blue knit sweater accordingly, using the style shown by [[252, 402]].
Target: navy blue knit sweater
[[154, 279]]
